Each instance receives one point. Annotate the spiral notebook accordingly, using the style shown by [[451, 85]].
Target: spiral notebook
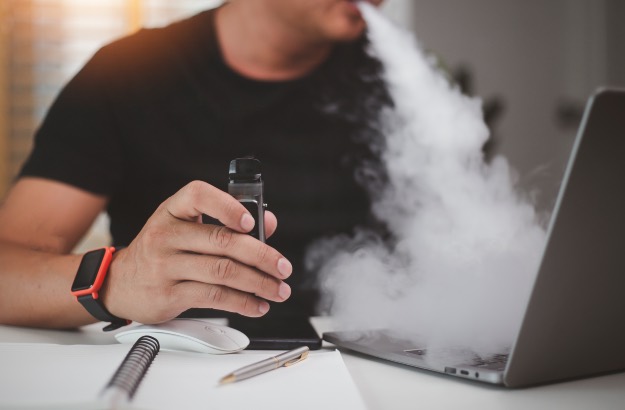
[[51, 376], [121, 388]]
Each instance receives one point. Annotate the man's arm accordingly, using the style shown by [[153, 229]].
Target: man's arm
[[40, 223], [175, 263]]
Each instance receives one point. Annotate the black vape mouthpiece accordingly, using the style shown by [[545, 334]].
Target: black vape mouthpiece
[[244, 170]]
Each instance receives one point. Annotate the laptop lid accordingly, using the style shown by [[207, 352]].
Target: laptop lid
[[577, 299], [573, 325]]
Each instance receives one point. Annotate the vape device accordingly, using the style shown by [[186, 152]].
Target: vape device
[[246, 185]]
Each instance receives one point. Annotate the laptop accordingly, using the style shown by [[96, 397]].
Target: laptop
[[574, 322]]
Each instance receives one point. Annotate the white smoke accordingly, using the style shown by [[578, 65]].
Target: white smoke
[[468, 243]]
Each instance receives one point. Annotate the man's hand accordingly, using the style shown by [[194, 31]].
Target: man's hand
[[177, 263]]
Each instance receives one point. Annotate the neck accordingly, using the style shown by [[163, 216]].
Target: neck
[[259, 45]]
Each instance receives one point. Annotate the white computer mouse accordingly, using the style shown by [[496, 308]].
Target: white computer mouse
[[191, 335]]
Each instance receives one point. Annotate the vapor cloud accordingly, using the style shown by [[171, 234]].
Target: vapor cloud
[[468, 241]]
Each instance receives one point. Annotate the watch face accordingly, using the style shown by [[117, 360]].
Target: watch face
[[88, 270]]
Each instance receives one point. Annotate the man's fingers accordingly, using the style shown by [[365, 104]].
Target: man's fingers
[[197, 198], [226, 272], [271, 223], [201, 295], [224, 242]]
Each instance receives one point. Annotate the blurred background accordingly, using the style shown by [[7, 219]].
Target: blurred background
[[534, 63]]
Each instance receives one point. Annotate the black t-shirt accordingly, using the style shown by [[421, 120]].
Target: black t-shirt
[[155, 110]]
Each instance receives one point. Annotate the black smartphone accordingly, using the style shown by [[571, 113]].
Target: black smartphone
[[277, 333]]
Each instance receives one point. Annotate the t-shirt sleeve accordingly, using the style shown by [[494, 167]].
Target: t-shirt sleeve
[[77, 142]]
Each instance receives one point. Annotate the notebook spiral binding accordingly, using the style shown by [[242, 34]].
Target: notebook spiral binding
[[131, 371]]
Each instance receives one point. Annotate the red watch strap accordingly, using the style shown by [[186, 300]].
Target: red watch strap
[[88, 282]]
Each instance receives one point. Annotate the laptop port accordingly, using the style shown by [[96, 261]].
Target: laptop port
[[450, 370], [464, 372]]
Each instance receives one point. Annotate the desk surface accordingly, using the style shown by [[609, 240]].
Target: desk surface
[[386, 385]]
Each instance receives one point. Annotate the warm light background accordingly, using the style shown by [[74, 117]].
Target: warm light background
[[44, 42]]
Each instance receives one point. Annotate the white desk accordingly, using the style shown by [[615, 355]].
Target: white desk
[[387, 385]]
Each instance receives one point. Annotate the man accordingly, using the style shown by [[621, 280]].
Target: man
[[146, 131]]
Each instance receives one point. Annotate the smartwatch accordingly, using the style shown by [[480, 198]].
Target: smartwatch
[[88, 281]]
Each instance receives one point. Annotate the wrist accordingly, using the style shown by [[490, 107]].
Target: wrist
[[110, 298], [88, 284]]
